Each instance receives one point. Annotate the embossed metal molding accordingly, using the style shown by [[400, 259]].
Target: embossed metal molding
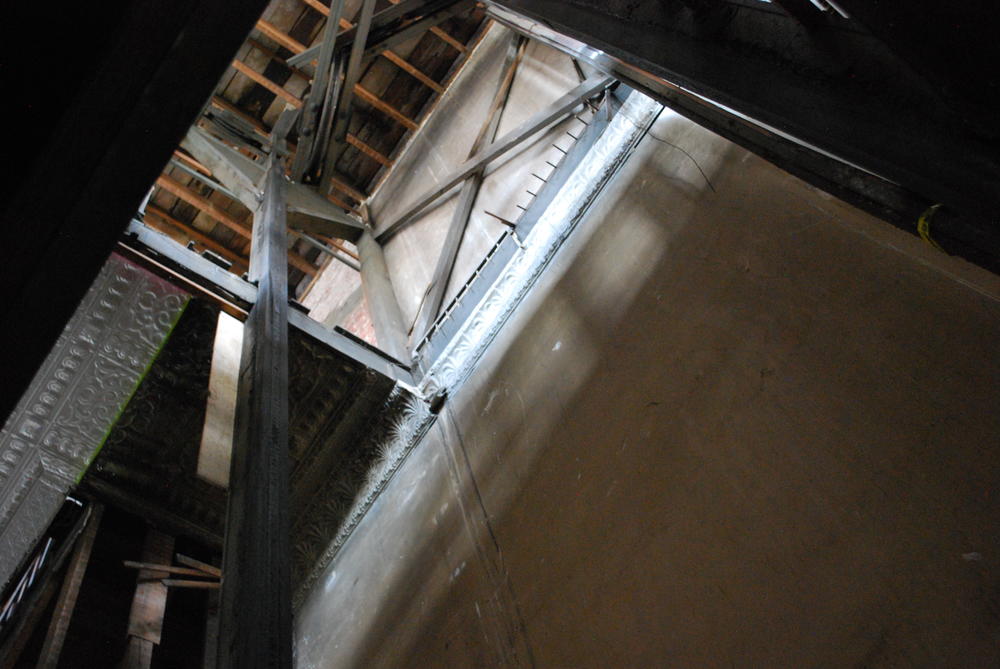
[[63, 418], [610, 151]]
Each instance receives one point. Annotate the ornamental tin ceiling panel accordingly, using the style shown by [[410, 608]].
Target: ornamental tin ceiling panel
[[64, 417]]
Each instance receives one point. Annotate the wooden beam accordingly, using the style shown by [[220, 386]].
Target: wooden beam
[[318, 6], [203, 204], [345, 187], [307, 209], [160, 220], [273, 55], [325, 11], [256, 591], [220, 102], [407, 19], [339, 245], [259, 78], [276, 35], [457, 67], [256, 125], [444, 36], [403, 64], [448, 39], [182, 583], [169, 569], [536, 122], [199, 565], [65, 604], [410, 31], [368, 151], [191, 162], [215, 212], [340, 203], [384, 107]]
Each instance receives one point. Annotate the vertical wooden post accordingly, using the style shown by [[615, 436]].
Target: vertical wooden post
[[256, 625], [145, 620], [63, 613]]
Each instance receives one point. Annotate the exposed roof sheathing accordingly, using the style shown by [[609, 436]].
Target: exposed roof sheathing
[[393, 95]]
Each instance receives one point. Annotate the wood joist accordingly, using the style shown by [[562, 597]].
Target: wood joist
[[219, 214], [396, 87]]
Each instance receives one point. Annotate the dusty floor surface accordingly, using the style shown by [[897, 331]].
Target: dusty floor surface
[[734, 425]]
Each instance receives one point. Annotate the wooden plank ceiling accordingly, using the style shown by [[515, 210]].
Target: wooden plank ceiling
[[395, 92]]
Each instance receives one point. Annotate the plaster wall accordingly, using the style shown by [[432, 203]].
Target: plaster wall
[[736, 423]]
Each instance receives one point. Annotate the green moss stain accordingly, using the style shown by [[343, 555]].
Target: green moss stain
[[135, 387]]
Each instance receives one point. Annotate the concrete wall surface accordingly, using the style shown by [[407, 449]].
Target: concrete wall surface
[[735, 424]]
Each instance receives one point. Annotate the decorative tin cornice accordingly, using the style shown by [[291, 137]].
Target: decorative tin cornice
[[64, 417]]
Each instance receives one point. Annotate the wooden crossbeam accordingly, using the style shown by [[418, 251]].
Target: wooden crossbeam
[[273, 55], [444, 36], [259, 78], [368, 151], [318, 6], [448, 39], [203, 204], [384, 107], [262, 130], [457, 67], [169, 569], [275, 34], [339, 245], [348, 188], [160, 220], [182, 583], [215, 212], [225, 105], [198, 564], [191, 162], [340, 203], [387, 32], [389, 54], [404, 65], [325, 11]]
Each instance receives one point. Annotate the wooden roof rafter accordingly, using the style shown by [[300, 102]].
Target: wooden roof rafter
[[435, 30], [237, 111], [215, 212]]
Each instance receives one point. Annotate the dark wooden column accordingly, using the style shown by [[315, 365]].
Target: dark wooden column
[[256, 624], [63, 613]]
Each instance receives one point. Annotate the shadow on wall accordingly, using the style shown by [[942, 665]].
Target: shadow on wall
[[723, 428]]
